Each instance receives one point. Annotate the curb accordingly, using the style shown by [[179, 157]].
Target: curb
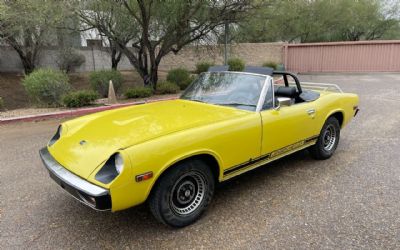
[[75, 112]]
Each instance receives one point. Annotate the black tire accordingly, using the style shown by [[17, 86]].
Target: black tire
[[183, 193], [328, 140]]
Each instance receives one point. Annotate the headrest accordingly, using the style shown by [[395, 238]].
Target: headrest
[[290, 92]]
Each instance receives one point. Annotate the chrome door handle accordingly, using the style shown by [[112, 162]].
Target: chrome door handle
[[311, 111]]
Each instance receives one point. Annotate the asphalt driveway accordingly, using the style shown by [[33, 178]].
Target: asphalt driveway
[[350, 201]]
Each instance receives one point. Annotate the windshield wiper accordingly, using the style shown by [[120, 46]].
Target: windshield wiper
[[235, 104], [195, 100]]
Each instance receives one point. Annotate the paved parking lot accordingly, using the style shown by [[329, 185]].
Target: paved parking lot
[[350, 201]]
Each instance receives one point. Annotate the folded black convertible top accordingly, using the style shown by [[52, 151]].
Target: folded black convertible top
[[248, 69]]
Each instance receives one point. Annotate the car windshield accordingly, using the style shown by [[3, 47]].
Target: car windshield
[[239, 90]]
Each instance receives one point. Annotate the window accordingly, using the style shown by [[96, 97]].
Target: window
[[238, 90]]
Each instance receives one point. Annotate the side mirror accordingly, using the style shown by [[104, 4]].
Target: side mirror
[[283, 102]]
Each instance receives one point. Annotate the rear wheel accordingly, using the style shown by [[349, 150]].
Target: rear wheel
[[327, 141], [182, 194]]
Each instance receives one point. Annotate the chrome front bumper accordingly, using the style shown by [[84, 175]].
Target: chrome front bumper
[[91, 195]]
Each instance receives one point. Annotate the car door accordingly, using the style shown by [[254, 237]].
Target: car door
[[287, 128]]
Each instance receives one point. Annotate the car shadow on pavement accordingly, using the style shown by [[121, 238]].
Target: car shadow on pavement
[[229, 192], [243, 193]]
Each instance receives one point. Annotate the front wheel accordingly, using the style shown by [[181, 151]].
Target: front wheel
[[182, 194], [327, 141]]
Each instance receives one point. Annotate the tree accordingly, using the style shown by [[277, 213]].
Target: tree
[[68, 59], [156, 28], [27, 26], [320, 20], [363, 20]]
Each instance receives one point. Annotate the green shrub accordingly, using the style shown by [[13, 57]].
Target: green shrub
[[46, 86], [1, 103], [99, 81], [203, 67], [167, 88], [236, 64], [180, 77], [80, 98], [270, 64], [138, 92]]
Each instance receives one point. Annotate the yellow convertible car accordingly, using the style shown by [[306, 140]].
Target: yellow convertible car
[[172, 153]]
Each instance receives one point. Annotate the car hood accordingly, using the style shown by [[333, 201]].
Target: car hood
[[88, 141]]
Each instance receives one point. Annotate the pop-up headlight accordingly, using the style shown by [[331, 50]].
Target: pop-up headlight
[[111, 169], [56, 137]]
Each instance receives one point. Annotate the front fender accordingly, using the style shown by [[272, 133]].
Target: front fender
[[223, 141]]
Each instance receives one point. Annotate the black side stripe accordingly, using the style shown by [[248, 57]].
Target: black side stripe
[[311, 139], [273, 154], [246, 164]]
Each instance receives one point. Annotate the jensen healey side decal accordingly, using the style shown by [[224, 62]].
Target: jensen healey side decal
[[270, 156]]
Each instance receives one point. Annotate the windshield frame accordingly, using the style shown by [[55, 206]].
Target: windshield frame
[[268, 83]]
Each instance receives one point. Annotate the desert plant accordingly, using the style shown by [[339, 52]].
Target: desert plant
[[203, 67], [99, 81], [46, 86], [80, 98], [167, 88], [138, 92], [180, 77], [68, 59], [1, 103], [270, 64], [236, 64]]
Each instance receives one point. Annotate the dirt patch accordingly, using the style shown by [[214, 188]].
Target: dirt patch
[[12, 91], [15, 97]]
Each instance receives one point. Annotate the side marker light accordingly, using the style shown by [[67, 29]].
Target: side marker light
[[143, 177]]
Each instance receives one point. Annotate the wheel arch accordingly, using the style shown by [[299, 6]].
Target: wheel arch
[[339, 115], [210, 158]]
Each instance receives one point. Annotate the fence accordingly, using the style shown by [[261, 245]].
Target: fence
[[365, 56], [98, 57]]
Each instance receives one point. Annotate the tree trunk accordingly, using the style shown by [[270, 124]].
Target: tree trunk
[[115, 55], [27, 59], [28, 67], [154, 76], [27, 62], [115, 59], [144, 66]]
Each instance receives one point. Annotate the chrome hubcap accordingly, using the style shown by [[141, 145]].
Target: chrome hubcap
[[329, 137], [188, 193]]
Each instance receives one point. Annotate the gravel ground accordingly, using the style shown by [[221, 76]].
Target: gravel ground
[[350, 201], [27, 111]]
